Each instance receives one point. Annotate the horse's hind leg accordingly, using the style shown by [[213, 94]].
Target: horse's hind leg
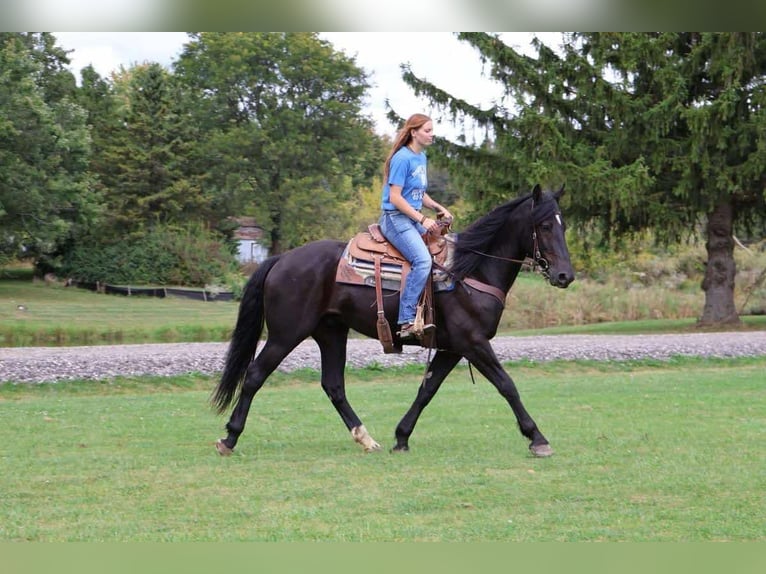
[[259, 370], [441, 366], [331, 335]]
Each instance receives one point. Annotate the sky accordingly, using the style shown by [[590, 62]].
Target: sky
[[439, 57]]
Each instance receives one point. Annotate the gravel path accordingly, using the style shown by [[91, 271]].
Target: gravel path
[[42, 364]]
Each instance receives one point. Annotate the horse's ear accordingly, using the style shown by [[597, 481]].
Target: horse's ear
[[537, 193], [559, 193]]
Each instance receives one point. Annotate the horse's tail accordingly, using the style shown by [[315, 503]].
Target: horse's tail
[[244, 339]]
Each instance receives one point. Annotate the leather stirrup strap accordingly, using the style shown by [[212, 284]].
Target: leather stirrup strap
[[384, 330], [378, 286], [427, 299]]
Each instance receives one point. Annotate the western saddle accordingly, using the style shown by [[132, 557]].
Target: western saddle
[[369, 259]]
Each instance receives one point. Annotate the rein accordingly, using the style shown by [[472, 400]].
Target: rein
[[538, 259]]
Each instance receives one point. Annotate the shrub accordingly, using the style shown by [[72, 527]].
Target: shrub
[[192, 256]]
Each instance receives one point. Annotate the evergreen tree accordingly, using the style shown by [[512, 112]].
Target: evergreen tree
[[97, 97], [144, 158], [649, 130]]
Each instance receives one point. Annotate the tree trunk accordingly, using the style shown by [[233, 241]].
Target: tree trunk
[[276, 242], [718, 283], [276, 234]]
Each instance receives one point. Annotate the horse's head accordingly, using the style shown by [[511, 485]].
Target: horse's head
[[550, 249]]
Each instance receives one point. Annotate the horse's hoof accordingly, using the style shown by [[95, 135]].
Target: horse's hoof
[[362, 437], [541, 450], [222, 449], [400, 448]]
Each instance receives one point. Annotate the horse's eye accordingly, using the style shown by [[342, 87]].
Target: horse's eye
[[546, 226]]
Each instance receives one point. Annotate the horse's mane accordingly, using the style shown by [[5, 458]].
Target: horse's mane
[[479, 236], [482, 234]]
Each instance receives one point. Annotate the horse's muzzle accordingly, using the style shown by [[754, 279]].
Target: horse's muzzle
[[561, 279]]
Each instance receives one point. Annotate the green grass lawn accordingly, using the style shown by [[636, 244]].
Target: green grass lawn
[[56, 315], [71, 316], [645, 451]]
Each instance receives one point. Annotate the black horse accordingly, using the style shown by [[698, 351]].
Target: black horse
[[297, 296]]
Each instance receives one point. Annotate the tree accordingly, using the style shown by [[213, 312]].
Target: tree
[[97, 97], [651, 130], [158, 222], [144, 151], [45, 191], [284, 136]]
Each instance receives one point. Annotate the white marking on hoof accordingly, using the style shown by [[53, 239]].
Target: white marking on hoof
[[222, 449], [362, 437], [541, 450]]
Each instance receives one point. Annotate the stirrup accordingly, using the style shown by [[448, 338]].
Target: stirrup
[[407, 331], [419, 326], [410, 330]]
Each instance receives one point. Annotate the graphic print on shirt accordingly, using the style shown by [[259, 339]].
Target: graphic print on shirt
[[419, 173]]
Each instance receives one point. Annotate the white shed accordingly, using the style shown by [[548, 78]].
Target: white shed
[[249, 236]]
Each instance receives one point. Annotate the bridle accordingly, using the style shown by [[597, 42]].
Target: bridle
[[537, 257]]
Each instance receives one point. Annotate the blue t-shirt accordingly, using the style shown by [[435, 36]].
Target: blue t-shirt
[[408, 170]]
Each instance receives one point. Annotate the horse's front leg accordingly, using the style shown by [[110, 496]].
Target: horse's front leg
[[483, 357], [441, 366]]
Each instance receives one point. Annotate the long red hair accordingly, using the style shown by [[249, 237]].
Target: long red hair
[[404, 137]]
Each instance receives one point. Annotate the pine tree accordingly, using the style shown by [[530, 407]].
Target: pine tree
[[649, 130], [145, 157]]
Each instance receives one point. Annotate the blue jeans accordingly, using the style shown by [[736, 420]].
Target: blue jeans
[[406, 236]]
